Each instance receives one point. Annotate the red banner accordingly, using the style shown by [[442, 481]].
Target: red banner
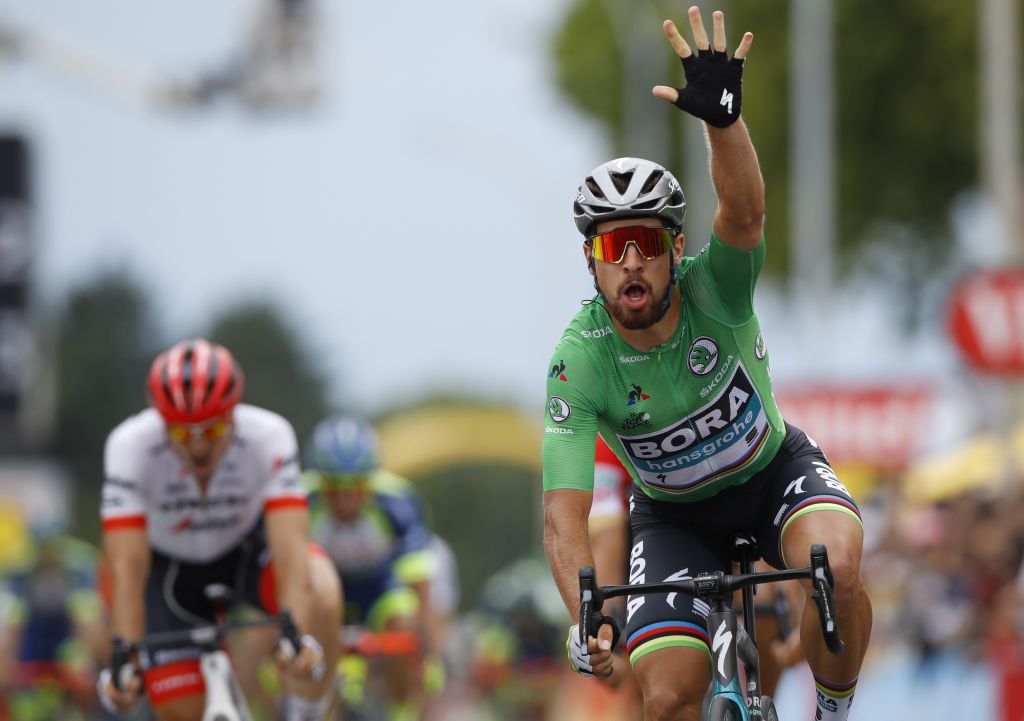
[[880, 426], [986, 320]]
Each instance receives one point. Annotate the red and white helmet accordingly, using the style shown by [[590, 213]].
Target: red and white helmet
[[194, 381]]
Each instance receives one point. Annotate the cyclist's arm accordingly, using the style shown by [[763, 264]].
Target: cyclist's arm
[[567, 541], [126, 541], [287, 540], [736, 174], [286, 519], [128, 556], [12, 609]]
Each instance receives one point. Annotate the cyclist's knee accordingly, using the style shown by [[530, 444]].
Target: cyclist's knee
[[849, 585], [669, 703]]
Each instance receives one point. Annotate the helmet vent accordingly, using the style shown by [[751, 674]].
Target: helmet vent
[[621, 180], [646, 205], [595, 188], [676, 199], [651, 182]]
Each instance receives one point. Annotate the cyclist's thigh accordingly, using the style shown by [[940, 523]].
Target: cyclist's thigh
[[395, 609], [799, 481], [186, 708], [667, 549], [361, 593], [673, 677], [257, 579]]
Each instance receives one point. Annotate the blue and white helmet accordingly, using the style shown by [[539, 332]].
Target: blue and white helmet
[[343, 445]]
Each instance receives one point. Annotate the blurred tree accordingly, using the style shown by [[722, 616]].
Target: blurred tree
[[907, 107], [280, 373], [106, 339], [503, 526]]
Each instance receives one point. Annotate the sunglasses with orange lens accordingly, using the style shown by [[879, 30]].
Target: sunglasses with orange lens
[[651, 242], [209, 431], [344, 481]]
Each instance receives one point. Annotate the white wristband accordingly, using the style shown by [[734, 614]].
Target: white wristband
[[313, 645], [106, 677]]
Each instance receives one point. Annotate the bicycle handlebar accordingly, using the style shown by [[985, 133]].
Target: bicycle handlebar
[[122, 669], [717, 585]]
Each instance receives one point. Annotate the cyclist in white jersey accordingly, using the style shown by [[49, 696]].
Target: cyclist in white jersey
[[202, 490]]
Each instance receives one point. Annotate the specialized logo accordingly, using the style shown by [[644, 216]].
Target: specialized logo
[[636, 395], [718, 440], [726, 101], [759, 348], [722, 640], [703, 356], [636, 419], [558, 409], [682, 575], [557, 371]]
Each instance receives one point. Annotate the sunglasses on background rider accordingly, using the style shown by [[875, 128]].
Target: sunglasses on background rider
[[650, 242], [343, 481], [208, 431]]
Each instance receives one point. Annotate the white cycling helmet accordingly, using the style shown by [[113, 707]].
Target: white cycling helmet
[[629, 188]]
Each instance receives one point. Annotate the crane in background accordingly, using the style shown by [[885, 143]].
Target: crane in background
[[276, 67]]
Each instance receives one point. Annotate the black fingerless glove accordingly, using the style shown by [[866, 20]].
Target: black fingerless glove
[[714, 87]]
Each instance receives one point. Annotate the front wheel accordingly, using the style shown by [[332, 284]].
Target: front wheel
[[722, 709]]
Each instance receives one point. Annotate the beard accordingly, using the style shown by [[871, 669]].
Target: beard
[[636, 318]]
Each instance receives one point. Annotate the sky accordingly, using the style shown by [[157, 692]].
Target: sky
[[415, 225]]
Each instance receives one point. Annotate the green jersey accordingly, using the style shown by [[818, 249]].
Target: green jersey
[[688, 418]]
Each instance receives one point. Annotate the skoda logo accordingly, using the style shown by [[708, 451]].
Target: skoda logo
[[703, 356], [558, 409], [759, 349]]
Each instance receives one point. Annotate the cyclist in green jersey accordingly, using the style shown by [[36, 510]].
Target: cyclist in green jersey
[[669, 363]]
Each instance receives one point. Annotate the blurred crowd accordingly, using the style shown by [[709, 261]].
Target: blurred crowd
[[946, 577]]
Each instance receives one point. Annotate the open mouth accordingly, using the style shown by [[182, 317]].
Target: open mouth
[[635, 295], [201, 463]]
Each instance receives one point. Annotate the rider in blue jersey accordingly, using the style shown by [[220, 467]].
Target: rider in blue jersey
[[371, 524]]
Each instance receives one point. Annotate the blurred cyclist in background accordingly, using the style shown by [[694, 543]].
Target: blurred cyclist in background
[[371, 524], [201, 489], [51, 631], [517, 654], [609, 542]]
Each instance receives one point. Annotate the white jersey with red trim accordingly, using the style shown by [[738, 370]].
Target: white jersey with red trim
[[147, 486], [612, 483]]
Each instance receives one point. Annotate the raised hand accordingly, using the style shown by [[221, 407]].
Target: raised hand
[[714, 82]]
